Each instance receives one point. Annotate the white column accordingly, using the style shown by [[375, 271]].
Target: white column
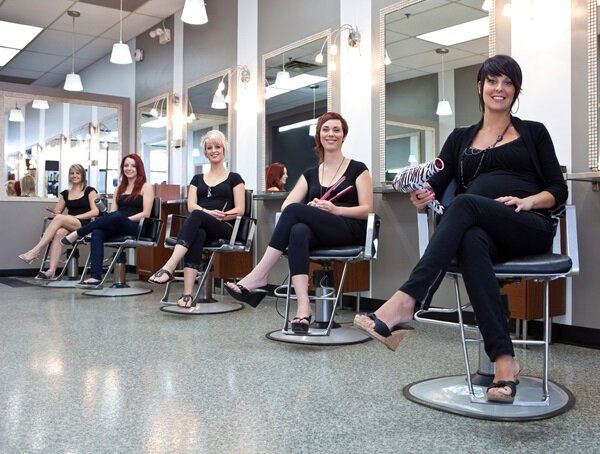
[[65, 150], [41, 158], [177, 155], [245, 155], [356, 81], [541, 44]]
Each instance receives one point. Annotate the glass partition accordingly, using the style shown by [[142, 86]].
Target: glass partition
[[297, 91], [153, 132], [417, 36], [205, 118]]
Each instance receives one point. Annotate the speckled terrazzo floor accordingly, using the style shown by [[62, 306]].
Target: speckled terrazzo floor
[[86, 375]]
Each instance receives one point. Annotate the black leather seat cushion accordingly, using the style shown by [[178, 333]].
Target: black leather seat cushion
[[172, 241], [342, 251], [540, 264], [122, 238]]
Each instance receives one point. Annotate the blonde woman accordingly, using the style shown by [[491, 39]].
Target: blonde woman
[[79, 202], [28, 186], [214, 199]]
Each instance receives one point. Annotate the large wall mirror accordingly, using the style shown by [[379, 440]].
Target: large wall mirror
[[207, 110], [416, 35], [153, 131], [297, 90], [44, 136]]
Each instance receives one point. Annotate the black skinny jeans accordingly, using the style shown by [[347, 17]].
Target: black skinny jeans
[[477, 230], [301, 228], [195, 230]]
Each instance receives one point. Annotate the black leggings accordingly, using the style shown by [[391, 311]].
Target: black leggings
[[478, 230], [196, 229], [301, 228]]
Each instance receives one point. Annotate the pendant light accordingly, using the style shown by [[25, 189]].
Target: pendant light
[[40, 104], [283, 77], [16, 115], [387, 60], [487, 5], [443, 107], [121, 55], [194, 12], [73, 81], [312, 131]]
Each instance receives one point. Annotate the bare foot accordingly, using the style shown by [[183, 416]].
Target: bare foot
[[397, 310]]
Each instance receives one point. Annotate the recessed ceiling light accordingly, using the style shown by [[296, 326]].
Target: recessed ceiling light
[[293, 83], [7, 55], [460, 33], [15, 35]]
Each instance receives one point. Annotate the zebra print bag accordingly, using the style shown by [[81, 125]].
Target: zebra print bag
[[411, 178]]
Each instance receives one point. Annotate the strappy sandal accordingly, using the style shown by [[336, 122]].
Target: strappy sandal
[[298, 327], [499, 396], [246, 296], [380, 332], [160, 273], [44, 277], [188, 301]]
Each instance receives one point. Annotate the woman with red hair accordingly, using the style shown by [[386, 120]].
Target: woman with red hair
[[276, 177], [132, 202]]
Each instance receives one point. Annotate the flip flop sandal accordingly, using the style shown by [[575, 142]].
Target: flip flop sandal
[[161, 273], [380, 332], [301, 328], [187, 299]]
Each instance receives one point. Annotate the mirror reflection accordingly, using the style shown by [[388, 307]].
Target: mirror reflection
[[204, 114], [44, 136], [153, 138], [432, 53], [295, 96], [109, 152]]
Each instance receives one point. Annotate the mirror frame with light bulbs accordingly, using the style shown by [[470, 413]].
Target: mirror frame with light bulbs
[[382, 73], [592, 35], [56, 95], [138, 128], [324, 35], [231, 87]]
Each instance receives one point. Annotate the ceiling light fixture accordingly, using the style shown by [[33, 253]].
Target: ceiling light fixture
[[487, 5], [40, 104], [194, 12], [121, 55], [282, 76], [507, 10], [16, 115], [17, 36], [387, 59], [191, 115], [443, 107], [460, 33], [73, 81]]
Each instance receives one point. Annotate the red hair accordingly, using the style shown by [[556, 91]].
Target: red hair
[[274, 173], [139, 180]]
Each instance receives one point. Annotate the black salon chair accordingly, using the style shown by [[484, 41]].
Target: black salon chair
[[324, 330], [537, 398], [239, 241], [148, 235]]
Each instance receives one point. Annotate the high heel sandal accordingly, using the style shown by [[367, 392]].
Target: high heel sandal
[[299, 327], [390, 338], [246, 296], [28, 261], [66, 242], [187, 299]]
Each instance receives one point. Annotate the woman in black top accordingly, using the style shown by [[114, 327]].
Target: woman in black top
[[215, 199], [132, 202], [309, 219], [508, 177], [79, 202]]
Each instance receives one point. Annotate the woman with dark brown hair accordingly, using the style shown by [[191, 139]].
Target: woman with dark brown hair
[[328, 206], [276, 177]]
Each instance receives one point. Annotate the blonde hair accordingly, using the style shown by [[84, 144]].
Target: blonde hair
[[28, 186], [81, 171], [214, 135]]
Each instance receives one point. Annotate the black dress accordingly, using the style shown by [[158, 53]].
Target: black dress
[[80, 205]]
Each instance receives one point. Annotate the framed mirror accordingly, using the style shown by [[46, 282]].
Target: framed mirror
[[153, 133], [430, 52], [298, 90], [43, 136], [206, 112], [593, 85]]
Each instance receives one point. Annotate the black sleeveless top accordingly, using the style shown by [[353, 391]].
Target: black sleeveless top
[[80, 205], [219, 196], [349, 199], [130, 205]]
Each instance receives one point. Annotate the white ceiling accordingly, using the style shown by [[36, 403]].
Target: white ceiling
[[412, 57], [47, 59]]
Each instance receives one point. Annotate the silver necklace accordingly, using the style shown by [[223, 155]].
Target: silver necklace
[[334, 175]]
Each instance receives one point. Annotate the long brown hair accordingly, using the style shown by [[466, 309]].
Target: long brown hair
[[274, 173], [319, 151], [139, 180]]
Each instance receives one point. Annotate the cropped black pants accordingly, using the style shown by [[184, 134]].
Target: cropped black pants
[[478, 230], [301, 228], [195, 231]]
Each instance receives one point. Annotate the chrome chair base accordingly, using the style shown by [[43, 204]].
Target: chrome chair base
[[344, 335], [204, 307], [450, 394], [63, 283], [110, 292]]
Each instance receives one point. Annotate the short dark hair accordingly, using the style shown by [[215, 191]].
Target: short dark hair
[[500, 65], [319, 150]]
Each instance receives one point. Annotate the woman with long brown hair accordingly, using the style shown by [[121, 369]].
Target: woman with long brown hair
[[328, 206], [132, 202], [79, 202]]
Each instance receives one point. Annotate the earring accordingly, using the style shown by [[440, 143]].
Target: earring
[[517, 109]]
